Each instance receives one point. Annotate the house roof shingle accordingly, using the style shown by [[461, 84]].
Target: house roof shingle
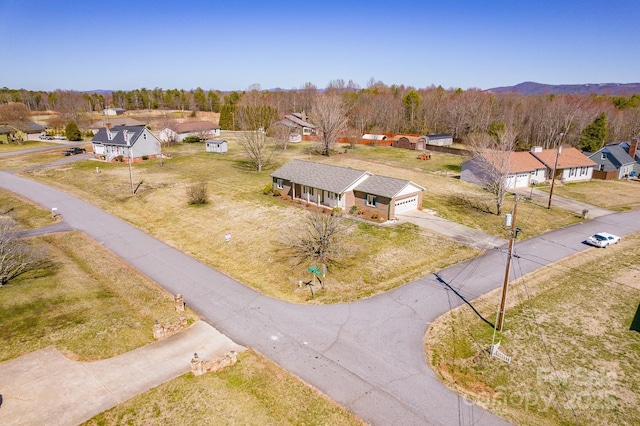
[[319, 175], [119, 135], [383, 185], [568, 157], [293, 118], [195, 126]]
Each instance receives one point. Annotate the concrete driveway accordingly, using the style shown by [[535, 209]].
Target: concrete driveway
[[460, 233], [44, 387], [367, 355]]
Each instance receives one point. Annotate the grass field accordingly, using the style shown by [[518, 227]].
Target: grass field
[[380, 258], [91, 305], [252, 392], [567, 328], [616, 195], [10, 147], [256, 222], [24, 212], [87, 302]]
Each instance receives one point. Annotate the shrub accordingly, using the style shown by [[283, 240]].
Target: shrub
[[375, 216], [267, 190], [145, 157], [353, 209], [191, 139], [336, 211], [197, 193]]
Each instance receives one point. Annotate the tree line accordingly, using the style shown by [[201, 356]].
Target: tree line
[[537, 119]]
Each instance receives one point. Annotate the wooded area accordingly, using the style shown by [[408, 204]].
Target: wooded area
[[536, 119]]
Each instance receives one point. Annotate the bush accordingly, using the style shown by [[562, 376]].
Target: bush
[[191, 139], [267, 190], [145, 157], [336, 211], [72, 132], [197, 193], [353, 209]]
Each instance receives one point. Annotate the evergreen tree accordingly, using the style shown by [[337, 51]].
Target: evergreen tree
[[227, 117], [72, 132], [594, 135]]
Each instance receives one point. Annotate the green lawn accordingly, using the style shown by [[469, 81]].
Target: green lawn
[[567, 329], [10, 147]]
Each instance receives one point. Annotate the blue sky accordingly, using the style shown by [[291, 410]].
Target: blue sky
[[230, 45]]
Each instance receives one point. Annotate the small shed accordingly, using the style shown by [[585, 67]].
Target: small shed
[[216, 145]]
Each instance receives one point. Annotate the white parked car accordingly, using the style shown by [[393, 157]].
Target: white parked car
[[603, 239]]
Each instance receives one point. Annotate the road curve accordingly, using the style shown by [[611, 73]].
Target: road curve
[[367, 355]]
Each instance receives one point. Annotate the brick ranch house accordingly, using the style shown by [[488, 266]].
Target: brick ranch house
[[334, 186]]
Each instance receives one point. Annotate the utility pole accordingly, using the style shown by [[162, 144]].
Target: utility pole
[[555, 166], [505, 286]]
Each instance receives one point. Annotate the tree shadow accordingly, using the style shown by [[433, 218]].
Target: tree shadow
[[439, 278], [468, 202]]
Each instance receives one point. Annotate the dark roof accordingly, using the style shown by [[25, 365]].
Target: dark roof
[[318, 175], [116, 136], [382, 185], [615, 154], [23, 126], [626, 146]]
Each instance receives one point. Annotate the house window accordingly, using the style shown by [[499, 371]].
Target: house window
[[583, 171], [372, 200], [572, 172], [307, 190], [331, 195], [603, 156], [279, 184], [601, 167]]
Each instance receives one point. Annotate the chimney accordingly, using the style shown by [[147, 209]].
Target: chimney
[[633, 148], [536, 149], [107, 126]]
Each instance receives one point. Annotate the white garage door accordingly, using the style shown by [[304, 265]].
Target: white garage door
[[406, 204]]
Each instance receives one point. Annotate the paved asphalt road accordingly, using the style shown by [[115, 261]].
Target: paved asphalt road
[[366, 355]]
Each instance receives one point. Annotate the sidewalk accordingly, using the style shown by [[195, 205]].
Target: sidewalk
[[562, 203], [44, 387], [460, 233]]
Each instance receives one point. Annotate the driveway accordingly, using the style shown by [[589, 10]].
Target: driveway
[[44, 387], [367, 355], [460, 233]]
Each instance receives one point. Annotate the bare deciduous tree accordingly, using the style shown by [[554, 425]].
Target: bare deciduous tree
[[329, 113], [492, 156], [254, 118], [14, 112], [16, 255], [320, 240]]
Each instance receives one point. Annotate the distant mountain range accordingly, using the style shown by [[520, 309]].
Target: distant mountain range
[[532, 88]]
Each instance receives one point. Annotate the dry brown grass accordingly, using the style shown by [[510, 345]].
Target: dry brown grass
[[252, 392], [608, 194], [255, 221], [87, 302], [24, 212], [567, 329]]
